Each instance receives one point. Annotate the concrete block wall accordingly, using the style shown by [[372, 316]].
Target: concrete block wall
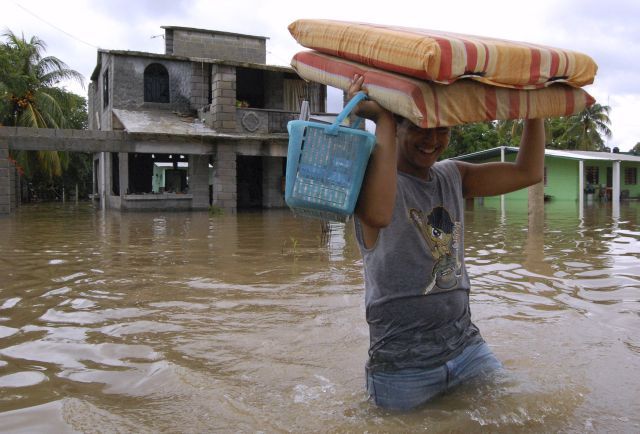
[[128, 84], [200, 80], [5, 185], [92, 101], [215, 45], [224, 180], [168, 41], [102, 114], [222, 115]]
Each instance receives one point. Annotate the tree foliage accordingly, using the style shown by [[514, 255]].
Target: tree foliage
[[30, 97], [469, 138], [30, 81], [583, 131]]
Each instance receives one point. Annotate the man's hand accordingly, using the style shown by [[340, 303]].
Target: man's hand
[[367, 109]]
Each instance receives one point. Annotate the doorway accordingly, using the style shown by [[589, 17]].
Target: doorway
[[249, 179]]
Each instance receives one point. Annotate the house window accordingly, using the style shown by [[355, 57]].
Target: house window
[[593, 175], [156, 83], [105, 88], [631, 175]]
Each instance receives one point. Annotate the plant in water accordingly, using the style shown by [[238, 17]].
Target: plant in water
[[294, 243], [292, 250], [216, 210]]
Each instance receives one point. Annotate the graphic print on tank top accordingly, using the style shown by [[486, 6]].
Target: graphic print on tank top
[[442, 239]]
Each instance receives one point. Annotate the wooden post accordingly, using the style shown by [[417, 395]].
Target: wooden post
[[536, 207], [502, 204]]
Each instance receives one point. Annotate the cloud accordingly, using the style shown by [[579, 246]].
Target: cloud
[[608, 32]]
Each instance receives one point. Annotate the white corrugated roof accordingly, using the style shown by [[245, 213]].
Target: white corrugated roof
[[575, 155], [591, 155]]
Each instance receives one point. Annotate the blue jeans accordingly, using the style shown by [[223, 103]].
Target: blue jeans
[[408, 388]]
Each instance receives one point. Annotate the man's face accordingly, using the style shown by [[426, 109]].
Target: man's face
[[419, 148]]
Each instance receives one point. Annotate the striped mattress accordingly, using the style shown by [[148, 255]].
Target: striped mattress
[[429, 104], [446, 57]]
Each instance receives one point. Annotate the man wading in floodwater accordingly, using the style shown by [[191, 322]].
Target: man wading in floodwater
[[409, 225]]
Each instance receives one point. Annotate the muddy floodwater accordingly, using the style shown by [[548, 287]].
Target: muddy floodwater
[[254, 322]]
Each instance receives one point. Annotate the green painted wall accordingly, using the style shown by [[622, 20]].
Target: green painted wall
[[562, 178], [634, 189], [158, 178]]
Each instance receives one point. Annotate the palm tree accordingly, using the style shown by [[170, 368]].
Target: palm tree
[[30, 96], [509, 131], [585, 130]]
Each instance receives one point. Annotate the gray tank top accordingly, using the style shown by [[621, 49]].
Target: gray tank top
[[417, 287]]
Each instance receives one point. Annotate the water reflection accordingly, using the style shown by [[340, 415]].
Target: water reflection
[[146, 322]]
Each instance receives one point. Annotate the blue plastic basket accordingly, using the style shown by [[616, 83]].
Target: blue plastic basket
[[325, 166]]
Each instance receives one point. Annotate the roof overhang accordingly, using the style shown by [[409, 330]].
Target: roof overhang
[[571, 155], [169, 57]]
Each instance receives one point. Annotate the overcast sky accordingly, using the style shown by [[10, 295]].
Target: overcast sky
[[608, 31]]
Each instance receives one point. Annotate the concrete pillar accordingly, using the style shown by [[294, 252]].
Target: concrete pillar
[[224, 180], [17, 188], [222, 116], [14, 188], [272, 178], [123, 171], [199, 181], [5, 185], [615, 193], [536, 207], [95, 176], [102, 183]]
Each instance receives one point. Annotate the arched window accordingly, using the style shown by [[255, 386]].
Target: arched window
[[156, 83]]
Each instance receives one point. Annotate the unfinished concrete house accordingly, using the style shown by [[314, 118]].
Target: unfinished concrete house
[[207, 119]]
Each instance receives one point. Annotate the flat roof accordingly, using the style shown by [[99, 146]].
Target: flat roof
[[168, 123], [162, 122]]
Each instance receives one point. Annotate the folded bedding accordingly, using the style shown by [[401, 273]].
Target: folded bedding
[[445, 57], [428, 104]]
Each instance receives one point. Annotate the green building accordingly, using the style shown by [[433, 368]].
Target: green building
[[576, 175]]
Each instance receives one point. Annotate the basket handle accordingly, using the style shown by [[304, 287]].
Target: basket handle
[[333, 129]]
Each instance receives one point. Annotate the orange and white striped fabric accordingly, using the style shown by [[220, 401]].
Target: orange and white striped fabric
[[429, 105], [446, 57]]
